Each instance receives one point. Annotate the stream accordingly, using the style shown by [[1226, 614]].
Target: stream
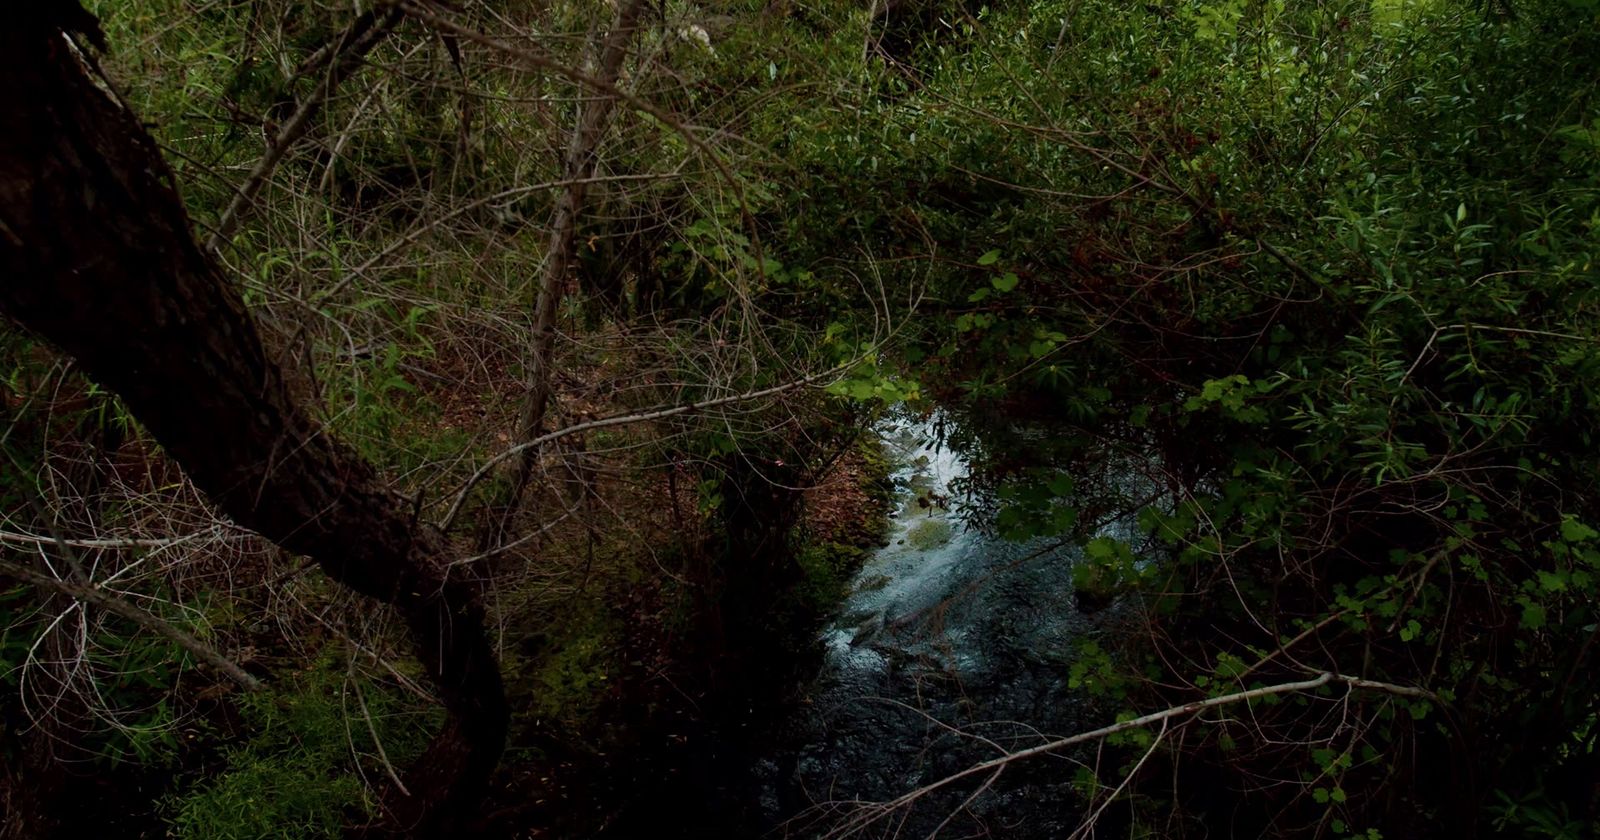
[[952, 646]]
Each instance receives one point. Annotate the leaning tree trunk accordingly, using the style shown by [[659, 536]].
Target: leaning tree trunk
[[96, 255]]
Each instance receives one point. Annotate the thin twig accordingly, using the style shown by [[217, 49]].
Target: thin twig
[[544, 61], [434, 223], [619, 420], [126, 543], [356, 42], [383, 755], [1088, 824], [1325, 678], [91, 594]]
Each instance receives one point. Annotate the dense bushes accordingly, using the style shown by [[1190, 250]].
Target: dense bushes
[[1308, 291], [1314, 289]]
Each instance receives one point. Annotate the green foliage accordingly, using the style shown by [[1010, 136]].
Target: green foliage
[[1306, 292], [301, 771], [573, 670], [1330, 272], [1536, 814]]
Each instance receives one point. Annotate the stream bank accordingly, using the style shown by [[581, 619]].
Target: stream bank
[[949, 644], [953, 644], [935, 649]]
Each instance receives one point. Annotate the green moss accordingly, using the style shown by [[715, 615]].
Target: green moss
[[877, 466], [265, 796], [929, 533], [826, 570]]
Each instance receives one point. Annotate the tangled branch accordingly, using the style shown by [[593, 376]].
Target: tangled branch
[[88, 593], [872, 812]]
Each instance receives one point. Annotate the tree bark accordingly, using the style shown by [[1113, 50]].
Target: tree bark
[[97, 256]]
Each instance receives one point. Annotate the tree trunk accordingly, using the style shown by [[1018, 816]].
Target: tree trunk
[[577, 168], [96, 255]]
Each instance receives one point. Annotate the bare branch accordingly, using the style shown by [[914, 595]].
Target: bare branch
[[503, 195], [1325, 678], [619, 420], [357, 40], [580, 164], [543, 61], [91, 594], [165, 542], [1087, 828]]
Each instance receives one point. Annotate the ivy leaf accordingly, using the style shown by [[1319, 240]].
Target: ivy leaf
[[1005, 282]]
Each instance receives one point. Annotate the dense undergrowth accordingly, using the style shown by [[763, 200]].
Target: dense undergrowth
[[1311, 290], [1308, 289]]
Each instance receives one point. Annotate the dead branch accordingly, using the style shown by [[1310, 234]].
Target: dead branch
[[878, 811], [351, 47], [619, 420], [543, 61], [582, 159], [91, 594], [165, 542]]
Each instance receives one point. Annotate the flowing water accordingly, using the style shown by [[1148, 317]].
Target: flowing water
[[953, 646]]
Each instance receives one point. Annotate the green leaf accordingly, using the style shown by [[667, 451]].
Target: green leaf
[[990, 258], [1412, 630], [1101, 548], [1574, 531], [1552, 581], [1005, 282]]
